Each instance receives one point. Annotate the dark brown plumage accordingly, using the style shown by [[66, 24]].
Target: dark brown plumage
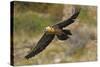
[[51, 31], [43, 42]]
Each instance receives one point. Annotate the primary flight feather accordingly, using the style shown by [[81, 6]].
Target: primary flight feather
[[51, 31]]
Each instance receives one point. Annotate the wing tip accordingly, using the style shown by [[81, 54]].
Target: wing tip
[[77, 9], [27, 57]]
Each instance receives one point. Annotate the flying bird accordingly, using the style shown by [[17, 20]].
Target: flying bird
[[51, 32]]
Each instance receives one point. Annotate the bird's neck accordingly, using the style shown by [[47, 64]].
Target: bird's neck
[[50, 29]]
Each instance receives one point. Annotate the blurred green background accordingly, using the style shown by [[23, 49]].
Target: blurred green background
[[30, 20]]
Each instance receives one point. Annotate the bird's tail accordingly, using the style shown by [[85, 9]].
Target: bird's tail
[[64, 35]]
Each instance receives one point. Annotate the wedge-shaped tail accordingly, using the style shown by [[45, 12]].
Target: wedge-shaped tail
[[64, 35]]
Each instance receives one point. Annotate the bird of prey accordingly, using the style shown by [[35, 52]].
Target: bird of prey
[[51, 32]]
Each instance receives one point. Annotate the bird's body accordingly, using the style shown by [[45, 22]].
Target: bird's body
[[51, 31]]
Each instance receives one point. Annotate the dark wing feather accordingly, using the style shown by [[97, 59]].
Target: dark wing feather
[[41, 45], [69, 20]]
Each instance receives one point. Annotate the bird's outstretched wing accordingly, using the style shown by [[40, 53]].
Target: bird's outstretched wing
[[69, 20], [41, 45]]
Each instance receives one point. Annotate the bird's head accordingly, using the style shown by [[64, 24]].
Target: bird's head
[[49, 29]]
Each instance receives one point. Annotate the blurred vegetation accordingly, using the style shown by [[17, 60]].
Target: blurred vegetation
[[88, 14], [34, 24], [30, 20]]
